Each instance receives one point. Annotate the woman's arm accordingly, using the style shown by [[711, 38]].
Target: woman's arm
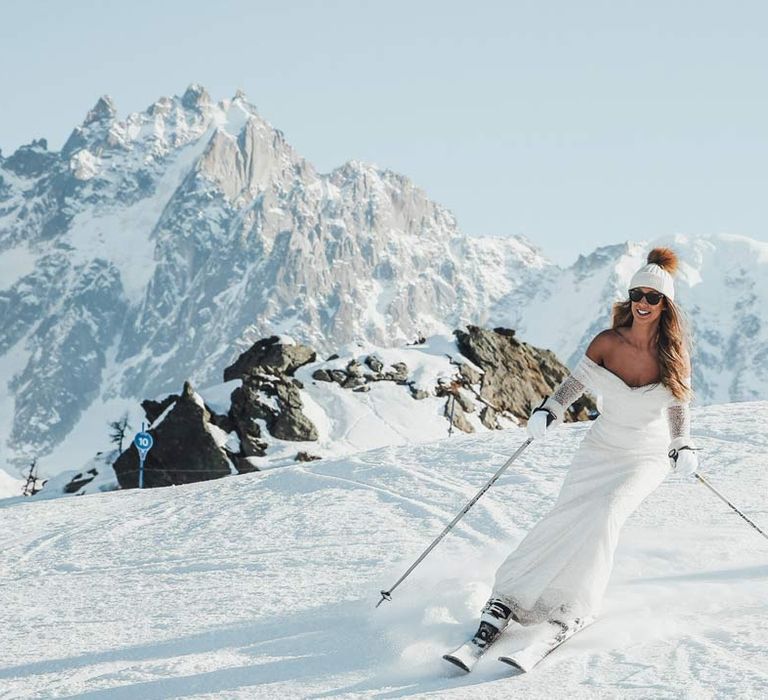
[[552, 409], [681, 446]]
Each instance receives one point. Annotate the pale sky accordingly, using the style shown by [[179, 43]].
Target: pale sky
[[577, 124]]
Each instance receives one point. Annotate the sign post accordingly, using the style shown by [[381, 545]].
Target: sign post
[[143, 442]]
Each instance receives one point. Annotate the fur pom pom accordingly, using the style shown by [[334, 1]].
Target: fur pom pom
[[665, 258]]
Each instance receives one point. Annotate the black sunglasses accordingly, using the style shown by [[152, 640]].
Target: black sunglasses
[[652, 298]]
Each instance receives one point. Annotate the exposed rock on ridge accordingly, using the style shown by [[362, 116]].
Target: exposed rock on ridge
[[216, 233], [516, 375]]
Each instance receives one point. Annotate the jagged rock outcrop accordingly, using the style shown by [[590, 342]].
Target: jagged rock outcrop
[[185, 448], [269, 393], [270, 356], [493, 383], [516, 376], [358, 376]]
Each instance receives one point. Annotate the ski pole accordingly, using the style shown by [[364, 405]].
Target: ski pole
[[387, 595], [728, 503]]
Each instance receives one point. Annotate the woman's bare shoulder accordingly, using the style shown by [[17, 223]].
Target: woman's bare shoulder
[[602, 344]]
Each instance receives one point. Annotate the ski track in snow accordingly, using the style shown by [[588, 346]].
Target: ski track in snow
[[264, 585]]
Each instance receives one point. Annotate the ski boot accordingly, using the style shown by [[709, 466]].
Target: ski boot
[[494, 618]]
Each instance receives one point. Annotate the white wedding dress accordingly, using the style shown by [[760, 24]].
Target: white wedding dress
[[561, 568]]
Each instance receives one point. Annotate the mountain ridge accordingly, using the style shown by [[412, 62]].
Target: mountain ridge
[[155, 249]]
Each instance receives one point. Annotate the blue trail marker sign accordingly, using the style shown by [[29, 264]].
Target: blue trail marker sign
[[143, 442]]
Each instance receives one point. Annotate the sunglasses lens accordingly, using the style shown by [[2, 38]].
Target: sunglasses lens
[[652, 298]]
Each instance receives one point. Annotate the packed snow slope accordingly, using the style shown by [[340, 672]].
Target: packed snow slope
[[264, 585]]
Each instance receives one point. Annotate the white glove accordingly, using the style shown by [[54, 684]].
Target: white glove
[[683, 458], [540, 419], [537, 425]]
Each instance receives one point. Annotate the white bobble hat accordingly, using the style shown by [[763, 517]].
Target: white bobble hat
[[657, 272], [655, 277]]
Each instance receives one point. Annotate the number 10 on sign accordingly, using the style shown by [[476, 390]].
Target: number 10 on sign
[[143, 442]]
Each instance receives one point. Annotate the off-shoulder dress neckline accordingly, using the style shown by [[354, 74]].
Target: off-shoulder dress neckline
[[618, 378]]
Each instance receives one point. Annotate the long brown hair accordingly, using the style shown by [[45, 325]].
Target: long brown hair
[[674, 341]]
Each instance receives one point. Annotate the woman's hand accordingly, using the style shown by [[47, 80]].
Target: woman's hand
[[539, 421], [683, 460]]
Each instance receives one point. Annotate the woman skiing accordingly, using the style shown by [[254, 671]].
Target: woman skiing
[[641, 368]]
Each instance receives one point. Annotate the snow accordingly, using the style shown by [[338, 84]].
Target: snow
[[123, 234], [175, 593], [11, 364], [84, 165], [347, 421], [104, 479], [91, 434], [15, 263], [9, 485]]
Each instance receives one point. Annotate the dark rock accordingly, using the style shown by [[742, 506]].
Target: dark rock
[[295, 426], [353, 382], [507, 332], [332, 357], [354, 368], [154, 409], [374, 363], [183, 451], [80, 480], [251, 446], [223, 422], [269, 356], [400, 373], [289, 395], [322, 375], [362, 389], [243, 466], [306, 457], [290, 422], [247, 408], [339, 376]]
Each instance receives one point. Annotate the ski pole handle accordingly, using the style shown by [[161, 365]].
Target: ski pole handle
[[387, 595]]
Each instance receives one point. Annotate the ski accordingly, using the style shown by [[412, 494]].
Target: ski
[[466, 656], [552, 636], [469, 653]]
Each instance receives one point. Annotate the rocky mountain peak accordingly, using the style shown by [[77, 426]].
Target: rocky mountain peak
[[161, 246], [196, 97], [103, 110], [31, 160]]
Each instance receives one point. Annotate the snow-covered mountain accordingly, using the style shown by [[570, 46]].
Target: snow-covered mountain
[[154, 249], [264, 585]]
